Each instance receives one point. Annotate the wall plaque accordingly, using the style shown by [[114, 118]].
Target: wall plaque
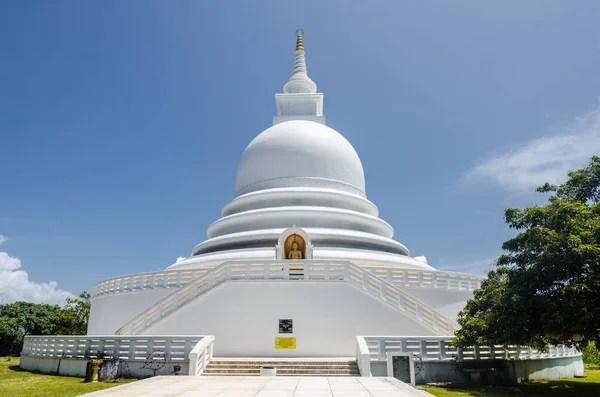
[[401, 366], [286, 326], [285, 343]]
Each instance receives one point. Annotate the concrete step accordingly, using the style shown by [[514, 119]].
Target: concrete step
[[209, 370], [278, 374], [268, 362], [285, 367]]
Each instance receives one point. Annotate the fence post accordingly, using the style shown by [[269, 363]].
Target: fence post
[[423, 348], [382, 352], [442, 347]]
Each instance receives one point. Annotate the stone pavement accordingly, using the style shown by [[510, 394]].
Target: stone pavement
[[257, 386]]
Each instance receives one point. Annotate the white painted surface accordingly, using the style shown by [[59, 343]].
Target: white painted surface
[[240, 386], [55, 366], [306, 271], [447, 302], [299, 148], [109, 312], [439, 348], [549, 368], [327, 317]]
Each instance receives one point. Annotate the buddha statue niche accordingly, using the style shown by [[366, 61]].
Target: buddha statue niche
[[294, 252]]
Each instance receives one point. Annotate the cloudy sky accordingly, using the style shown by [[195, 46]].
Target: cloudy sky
[[122, 122]]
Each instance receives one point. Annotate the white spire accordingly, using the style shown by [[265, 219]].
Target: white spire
[[300, 100], [300, 83]]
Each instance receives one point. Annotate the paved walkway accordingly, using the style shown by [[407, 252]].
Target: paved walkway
[[257, 386]]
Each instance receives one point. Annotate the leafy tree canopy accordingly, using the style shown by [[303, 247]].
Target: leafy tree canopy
[[22, 318], [545, 288]]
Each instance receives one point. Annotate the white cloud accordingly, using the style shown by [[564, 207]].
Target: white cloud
[[520, 170], [15, 285]]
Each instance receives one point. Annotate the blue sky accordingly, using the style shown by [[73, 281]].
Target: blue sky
[[122, 122]]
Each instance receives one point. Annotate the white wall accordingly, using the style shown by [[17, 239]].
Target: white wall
[[549, 368], [244, 317], [110, 312], [77, 367], [447, 302], [54, 365]]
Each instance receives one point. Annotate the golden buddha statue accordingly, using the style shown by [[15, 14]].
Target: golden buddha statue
[[294, 252]]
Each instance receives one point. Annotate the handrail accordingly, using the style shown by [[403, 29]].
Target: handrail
[[436, 348], [363, 358], [342, 271], [201, 355], [147, 281], [412, 278], [125, 347]]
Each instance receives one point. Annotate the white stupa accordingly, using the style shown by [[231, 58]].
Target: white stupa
[[300, 243]]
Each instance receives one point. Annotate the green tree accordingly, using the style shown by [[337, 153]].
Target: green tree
[[545, 288], [73, 317], [20, 319]]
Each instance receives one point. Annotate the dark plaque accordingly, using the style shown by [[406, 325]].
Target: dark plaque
[[286, 326], [401, 368]]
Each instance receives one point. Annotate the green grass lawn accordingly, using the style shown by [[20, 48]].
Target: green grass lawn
[[16, 382], [586, 387]]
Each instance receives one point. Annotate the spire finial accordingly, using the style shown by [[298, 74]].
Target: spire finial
[[299, 42]]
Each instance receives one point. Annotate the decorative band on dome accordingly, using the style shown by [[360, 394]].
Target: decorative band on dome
[[299, 181]]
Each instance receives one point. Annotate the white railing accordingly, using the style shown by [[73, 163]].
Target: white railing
[[330, 271], [201, 355], [363, 358], [439, 348], [147, 281], [131, 348], [413, 278], [428, 279]]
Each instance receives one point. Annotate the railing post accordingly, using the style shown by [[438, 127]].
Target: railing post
[[131, 353], [326, 271], [101, 346], [247, 272], [382, 290], [459, 354], [364, 280], [116, 349], [442, 347], [405, 277], [382, 352], [476, 354], [423, 348], [286, 271]]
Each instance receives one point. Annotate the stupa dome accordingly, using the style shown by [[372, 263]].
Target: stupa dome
[[300, 153]]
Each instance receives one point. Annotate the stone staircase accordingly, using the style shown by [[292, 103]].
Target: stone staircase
[[285, 367]]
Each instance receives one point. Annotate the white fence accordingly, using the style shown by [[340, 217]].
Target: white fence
[[146, 281], [413, 278], [428, 279], [439, 348], [299, 271], [195, 350], [201, 355]]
